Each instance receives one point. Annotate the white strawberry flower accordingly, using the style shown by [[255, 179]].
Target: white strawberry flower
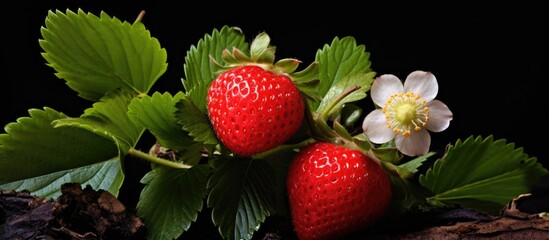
[[407, 112]]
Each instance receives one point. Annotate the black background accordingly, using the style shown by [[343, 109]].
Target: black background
[[489, 62]]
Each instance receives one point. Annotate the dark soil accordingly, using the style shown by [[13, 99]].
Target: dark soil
[[77, 214], [89, 214]]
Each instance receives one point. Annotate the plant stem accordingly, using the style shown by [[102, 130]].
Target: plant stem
[[326, 111], [283, 148], [157, 160], [140, 16]]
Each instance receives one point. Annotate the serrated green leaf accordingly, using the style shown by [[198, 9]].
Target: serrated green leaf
[[241, 196], [415, 163], [199, 72], [96, 55], [195, 122], [157, 114], [106, 175], [481, 169], [31, 147], [171, 200], [109, 118], [342, 61]]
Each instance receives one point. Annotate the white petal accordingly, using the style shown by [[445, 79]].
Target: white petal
[[383, 87], [439, 116], [375, 127], [423, 84], [416, 144]]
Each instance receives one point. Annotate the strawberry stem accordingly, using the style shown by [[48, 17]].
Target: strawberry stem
[[352, 145], [326, 111], [281, 148], [161, 161]]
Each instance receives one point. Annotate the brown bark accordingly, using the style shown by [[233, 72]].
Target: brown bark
[[505, 227], [88, 214], [510, 224]]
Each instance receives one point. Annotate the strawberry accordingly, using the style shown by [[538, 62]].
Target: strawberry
[[255, 104], [253, 110], [334, 190]]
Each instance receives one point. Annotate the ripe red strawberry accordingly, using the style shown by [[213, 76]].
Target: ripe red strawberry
[[334, 190], [253, 110]]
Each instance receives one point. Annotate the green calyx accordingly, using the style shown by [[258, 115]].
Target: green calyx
[[263, 54]]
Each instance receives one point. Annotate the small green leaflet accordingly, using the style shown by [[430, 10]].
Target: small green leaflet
[[343, 65], [171, 200], [482, 170], [106, 175], [96, 55], [109, 118], [195, 122], [241, 196], [405, 171], [413, 165], [198, 69], [157, 114]]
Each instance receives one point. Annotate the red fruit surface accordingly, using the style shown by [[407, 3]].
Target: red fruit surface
[[253, 110], [334, 191]]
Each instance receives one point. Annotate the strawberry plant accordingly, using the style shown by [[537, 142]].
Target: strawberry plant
[[250, 137]]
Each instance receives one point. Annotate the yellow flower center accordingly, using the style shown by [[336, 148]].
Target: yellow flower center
[[406, 112]]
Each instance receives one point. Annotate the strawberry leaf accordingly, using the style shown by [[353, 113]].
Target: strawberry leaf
[[199, 72], [96, 55], [32, 147], [157, 114], [195, 122], [171, 200], [413, 165], [41, 157], [482, 170], [343, 64], [109, 118], [242, 196], [106, 175]]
